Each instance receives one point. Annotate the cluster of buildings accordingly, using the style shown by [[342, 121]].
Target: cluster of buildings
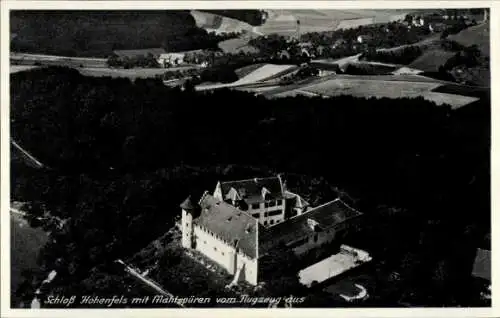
[[243, 221], [165, 59]]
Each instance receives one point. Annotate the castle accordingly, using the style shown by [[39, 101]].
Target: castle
[[244, 220]]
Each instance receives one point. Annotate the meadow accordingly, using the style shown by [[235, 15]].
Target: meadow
[[431, 60]]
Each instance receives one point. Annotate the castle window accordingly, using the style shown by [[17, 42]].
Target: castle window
[[265, 222], [215, 248], [278, 203], [273, 213], [272, 203], [255, 206], [315, 238], [272, 221], [256, 215], [222, 253]]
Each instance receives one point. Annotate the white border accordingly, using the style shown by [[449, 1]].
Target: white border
[[6, 5]]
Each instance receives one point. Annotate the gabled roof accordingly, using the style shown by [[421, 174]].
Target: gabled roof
[[232, 225], [325, 216], [252, 190], [298, 201], [482, 265]]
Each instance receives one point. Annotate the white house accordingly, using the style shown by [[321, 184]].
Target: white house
[[363, 38], [171, 59], [266, 199]]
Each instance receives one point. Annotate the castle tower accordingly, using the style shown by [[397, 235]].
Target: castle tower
[[188, 209]]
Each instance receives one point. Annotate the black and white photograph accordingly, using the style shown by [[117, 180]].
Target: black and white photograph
[[247, 158]]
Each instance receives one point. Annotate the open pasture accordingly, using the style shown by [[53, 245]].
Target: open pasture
[[431, 60], [367, 88], [219, 24], [377, 87]]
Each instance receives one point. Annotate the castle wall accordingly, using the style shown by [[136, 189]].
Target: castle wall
[[215, 249], [250, 270], [315, 240]]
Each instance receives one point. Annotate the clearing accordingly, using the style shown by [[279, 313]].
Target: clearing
[[403, 86], [219, 24]]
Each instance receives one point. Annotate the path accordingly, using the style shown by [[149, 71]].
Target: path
[[148, 282], [31, 159]]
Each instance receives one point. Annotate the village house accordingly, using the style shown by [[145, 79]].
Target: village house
[[245, 220], [364, 38], [179, 58]]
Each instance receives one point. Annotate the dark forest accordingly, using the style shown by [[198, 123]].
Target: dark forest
[[123, 155]]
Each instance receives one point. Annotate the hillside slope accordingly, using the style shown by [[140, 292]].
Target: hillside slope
[[476, 35]]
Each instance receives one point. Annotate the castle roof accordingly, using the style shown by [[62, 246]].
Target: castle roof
[[299, 202], [188, 204], [323, 217], [228, 223], [254, 190], [239, 229]]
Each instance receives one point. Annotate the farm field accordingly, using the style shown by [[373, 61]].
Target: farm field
[[241, 72], [474, 91], [367, 88], [431, 60], [219, 24], [392, 78], [404, 86], [455, 101], [284, 21], [237, 45]]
